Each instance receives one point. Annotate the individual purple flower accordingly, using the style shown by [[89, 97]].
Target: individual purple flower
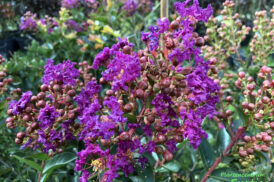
[[74, 25], [28, 23], [70, 3], [83, 99], [130, 6], [171, 145], [18, 106], [26, 144], [194, 10], [143, 161], [102, 58], [122, 69], [42, 139], [62, 72], [150, 147], [163, 105], [193, 131], [116, 114], [147, 130], [152, 38], [47, 116], [163, 24], [203, 88]]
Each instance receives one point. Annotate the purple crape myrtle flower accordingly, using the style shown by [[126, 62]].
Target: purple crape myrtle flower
[[116, 114], [163, 105], [152, 38], [163, 24], [171, 145], [194, 10], [83, 99], [193, 131], [70, 3], [47, 116], [48, 144], [122, 69], [203, 88], [103, 58], [18, 106], [28, 23], [74, 25], [130, 6], [62, 72]]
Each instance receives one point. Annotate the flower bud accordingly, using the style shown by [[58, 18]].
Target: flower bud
[[34, 125], [139, 93], [229, 98], [241, 75], [174, 25], [18, 141], [20, 135], [250, 150], [165, 83], [199, 42], [168, 156], [41, 104], [159, 150], [242, 153], [258, 116], [126, 49], [247, 138], [128, 107], [44, 88], [124, 136]]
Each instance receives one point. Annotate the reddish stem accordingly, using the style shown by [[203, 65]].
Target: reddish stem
[[225, 153]]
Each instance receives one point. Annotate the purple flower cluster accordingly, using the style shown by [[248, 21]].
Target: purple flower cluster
[[70, 3], [47, 117], [18, 106], [194, 10], [121, 68], [130, 6], [62, 72], [163, 105], [74, 25], [28, 23]]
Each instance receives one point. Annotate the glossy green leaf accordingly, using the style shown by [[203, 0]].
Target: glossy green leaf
[[223, 139], [30, 163], [59, 160], [173, 166], [206, 153], [136, 179]]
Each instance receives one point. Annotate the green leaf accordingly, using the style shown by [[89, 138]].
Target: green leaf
[[46, 175], [40, 156], [223, 139], [59, 160], [30, 163], [206, 153], [131, 118], [136, 179], [173, 166], [149, 174]]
